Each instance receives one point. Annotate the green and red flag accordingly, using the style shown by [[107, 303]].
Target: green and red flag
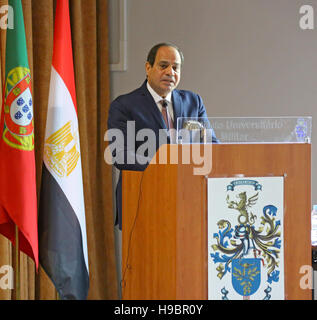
[[18, 201]]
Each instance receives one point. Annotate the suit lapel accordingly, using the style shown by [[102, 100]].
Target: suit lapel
[[177, 105]]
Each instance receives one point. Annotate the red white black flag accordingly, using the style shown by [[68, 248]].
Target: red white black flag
[[62, 224]]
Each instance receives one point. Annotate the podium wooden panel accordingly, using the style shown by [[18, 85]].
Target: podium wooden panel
[[164, 233]]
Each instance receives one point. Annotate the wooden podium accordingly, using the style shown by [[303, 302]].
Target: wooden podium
[[164, 233]]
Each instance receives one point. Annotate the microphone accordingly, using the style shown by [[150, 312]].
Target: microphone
[[194, 125]]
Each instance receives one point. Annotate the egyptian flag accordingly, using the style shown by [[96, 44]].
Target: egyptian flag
[[18, 202], [62, 226]]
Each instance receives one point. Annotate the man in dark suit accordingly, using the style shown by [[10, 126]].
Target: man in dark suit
[[156, 105]]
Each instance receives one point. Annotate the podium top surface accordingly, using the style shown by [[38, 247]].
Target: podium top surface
[[244, 130]]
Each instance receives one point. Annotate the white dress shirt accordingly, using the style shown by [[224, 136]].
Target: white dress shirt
[[157, 98]]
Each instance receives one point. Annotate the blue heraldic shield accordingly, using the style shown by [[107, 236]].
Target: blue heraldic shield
[[246, 276]]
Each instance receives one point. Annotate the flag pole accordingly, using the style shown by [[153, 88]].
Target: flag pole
[[17, 264]]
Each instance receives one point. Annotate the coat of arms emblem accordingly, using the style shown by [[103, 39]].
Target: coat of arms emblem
[[61, 150], [18, 110], [246, 247]]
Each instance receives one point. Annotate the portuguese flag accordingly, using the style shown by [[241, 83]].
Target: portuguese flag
[[18, 202]]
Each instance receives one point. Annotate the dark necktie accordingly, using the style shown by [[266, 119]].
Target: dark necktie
[[166, 115], [168, 121]]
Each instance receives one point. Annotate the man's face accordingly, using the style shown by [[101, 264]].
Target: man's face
[[165, 73]]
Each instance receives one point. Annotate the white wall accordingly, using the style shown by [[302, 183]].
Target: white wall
[[244, 57]]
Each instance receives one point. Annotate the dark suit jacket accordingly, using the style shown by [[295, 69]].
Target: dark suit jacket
[[139, 106]]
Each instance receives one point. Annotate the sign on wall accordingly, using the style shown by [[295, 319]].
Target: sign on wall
[[245, 238]]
